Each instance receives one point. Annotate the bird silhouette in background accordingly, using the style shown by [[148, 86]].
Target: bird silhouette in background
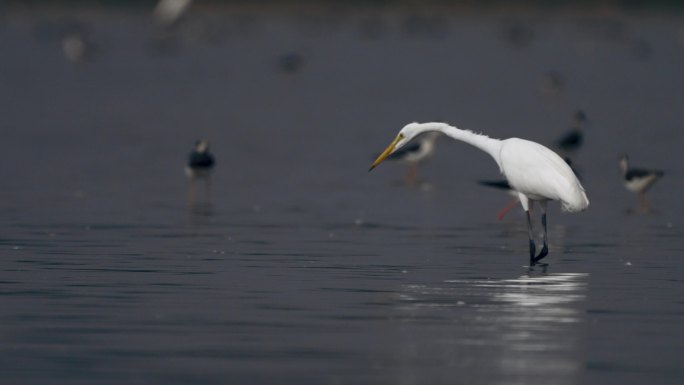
[[413, 154], [199, 166], [169, 12], [572, 140], [200, 161], [639, 181], [502, 184]]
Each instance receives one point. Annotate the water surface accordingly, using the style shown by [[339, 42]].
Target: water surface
[[297, 266]]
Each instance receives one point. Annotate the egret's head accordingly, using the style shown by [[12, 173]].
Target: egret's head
[[405, 135], [410, 131]]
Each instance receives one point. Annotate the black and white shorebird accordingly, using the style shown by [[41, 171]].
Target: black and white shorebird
[[198, 168], [413, 154], [200, 161], [572, 140], [502, 184], [639, 181]]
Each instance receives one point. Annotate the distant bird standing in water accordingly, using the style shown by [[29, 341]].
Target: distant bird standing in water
[[502, 184], [199, 167], [535, 172], [200, 161], [415, 153], [639, 181], [573, 139]]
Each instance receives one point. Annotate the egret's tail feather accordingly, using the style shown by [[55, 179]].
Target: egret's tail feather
[[579, 204]]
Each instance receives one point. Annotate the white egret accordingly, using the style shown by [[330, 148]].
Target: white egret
[[535, 172], [639, 180]]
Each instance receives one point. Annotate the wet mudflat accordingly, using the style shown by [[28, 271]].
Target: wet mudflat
[[295, 265]]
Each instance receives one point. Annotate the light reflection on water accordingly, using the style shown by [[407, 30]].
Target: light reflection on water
[[530, 327]]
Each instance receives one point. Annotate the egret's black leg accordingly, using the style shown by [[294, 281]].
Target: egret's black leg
[[545, 250], [531, 235]]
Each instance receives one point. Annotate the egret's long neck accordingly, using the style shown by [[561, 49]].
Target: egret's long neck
[[483, 142]]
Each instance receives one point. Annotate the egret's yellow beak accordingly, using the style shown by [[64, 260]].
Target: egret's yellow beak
[[387, 152]]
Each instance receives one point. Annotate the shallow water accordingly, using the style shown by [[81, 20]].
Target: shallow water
[[295, 265]]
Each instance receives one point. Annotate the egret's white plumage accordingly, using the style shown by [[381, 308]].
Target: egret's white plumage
[[540, 175], [505, 185], [534, 171]]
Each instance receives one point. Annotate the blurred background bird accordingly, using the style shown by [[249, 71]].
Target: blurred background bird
[[573, 139], [168, 12], [639, 181], [200, 161], [415, 153], [502, 184], [199, 166]]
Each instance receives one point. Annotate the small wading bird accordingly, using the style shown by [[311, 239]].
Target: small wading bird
[[415, 153], [502, 184], [572, 140], [199, 166], [200, 161], [536, 173], [639, 181]]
